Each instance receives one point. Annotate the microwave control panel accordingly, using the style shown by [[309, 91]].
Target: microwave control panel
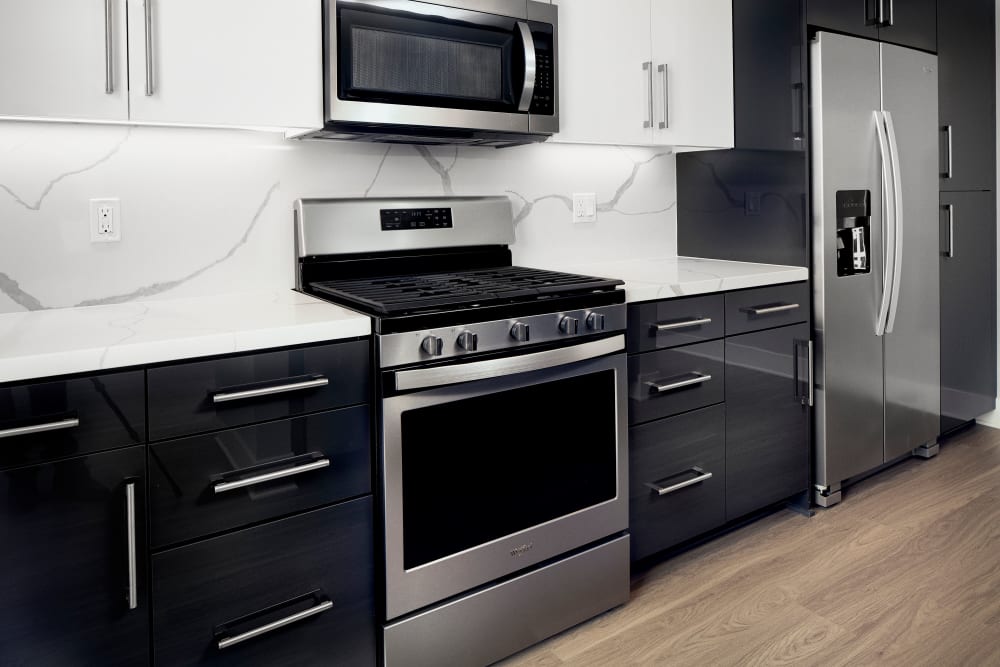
[[544, 100]]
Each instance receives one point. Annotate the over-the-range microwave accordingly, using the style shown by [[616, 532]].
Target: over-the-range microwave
[[478, 72]]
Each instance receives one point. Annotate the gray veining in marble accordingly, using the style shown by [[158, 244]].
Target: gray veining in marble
[[440, 169]]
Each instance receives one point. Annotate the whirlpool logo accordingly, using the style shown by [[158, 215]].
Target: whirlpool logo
[[521, 550]]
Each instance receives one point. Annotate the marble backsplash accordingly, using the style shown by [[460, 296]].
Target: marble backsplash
[[209, 211]]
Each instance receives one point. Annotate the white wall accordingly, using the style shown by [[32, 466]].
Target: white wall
[[209, 211]]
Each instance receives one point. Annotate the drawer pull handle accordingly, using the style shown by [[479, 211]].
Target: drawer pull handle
[[132, 596], [226, 396], [222, 487], [664, 490], [226, 642], [40, 428], [684, 324], [768, 310], [697, 378]]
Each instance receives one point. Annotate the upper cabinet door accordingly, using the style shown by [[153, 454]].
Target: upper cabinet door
[[63, 59], [226, 62], [854, 17], [693, 78], [910, 23], [605, 72]]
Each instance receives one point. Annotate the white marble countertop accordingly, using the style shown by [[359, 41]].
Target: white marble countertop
[[669, 277], [61, 341]]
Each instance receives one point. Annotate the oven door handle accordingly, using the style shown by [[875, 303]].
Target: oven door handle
[[422, 378]]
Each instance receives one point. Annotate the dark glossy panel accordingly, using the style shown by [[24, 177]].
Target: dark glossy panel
[[111, 409], [967, 91], [847, 16], [767, 426], [670, 366], [643, 318], [183, 473], [914, 24], [199, 587], [768, 76], [660, 452], [180, 396], [968, 309], [63, 563], [740, 307], [742, 205]]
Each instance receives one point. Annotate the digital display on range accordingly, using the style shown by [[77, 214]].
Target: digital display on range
[[394, 219]]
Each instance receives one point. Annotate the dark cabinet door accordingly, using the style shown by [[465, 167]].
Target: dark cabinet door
[[767, 423], [65, 564], [769, 90], [967, 94], [968, 307], [910, 23], [854, 17]]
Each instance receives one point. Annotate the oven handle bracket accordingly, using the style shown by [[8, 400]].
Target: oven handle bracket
[[422, 378]]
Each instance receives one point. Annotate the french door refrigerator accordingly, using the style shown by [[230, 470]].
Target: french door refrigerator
[[875, 256]]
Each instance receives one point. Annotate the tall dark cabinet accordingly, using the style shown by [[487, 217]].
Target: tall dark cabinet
[[905, 22]]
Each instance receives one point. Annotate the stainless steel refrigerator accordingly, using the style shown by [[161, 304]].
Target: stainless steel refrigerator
[[875, 256]]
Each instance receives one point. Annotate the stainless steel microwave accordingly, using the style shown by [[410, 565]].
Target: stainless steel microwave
[[479, 72]]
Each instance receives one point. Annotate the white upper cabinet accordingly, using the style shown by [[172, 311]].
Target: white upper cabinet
[[62, 59], [646, 72], [226, 62]]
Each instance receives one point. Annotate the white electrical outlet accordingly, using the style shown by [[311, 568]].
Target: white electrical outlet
[[105, 220], [584, 207]]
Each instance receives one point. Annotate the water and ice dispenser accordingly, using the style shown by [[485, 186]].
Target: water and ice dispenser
[[854, 215]]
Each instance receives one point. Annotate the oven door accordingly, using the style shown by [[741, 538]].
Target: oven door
[[484, 477], [449, 64]]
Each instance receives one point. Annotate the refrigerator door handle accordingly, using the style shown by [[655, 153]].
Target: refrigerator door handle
[[897, 189], [889, 241]]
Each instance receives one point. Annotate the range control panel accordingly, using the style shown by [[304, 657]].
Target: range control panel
[[394, 219]]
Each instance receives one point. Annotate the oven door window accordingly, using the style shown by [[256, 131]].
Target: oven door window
[[480, 468]]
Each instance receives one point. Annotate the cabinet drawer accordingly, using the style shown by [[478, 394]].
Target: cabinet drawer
[[677, 479], [766, 307], [221, 393], [667, 382], [209, 483], [660, 324], [208, 594], [49, 420]]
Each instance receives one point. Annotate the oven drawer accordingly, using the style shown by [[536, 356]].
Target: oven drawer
[[209, 483], [766, 307], [659, 324], [43, 421], [318, 566], [221, 393], [677, 479], [667, 382]]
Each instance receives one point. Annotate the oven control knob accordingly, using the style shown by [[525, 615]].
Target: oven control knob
[[595, 322], [519, 332], [432, 345], [468, 341], [569, 325]]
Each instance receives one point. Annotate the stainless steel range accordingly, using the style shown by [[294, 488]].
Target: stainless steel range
[[502, 448]]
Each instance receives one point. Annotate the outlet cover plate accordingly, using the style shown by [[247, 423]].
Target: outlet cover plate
[[105, 220], [584, 207]]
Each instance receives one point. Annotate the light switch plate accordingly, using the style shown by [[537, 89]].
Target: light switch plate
[[584, 207]]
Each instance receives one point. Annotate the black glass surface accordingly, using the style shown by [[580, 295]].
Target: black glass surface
[[477, 469]]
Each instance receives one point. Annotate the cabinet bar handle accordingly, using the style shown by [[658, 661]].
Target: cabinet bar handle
[[226, 642], [226, 396], [39, 428], [222, 487], [109, 71], [811, 361], [147, 10], [671, 326], [892, 13], [664, 490], [951, 230], [133, 592], [648, 68], [949, 146], [698, 378], [871, 15], [768, 310], [665, 123]]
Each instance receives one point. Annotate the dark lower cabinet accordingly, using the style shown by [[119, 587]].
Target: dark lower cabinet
[[767, 421], [299, 591], [968, 307], [65, 565]]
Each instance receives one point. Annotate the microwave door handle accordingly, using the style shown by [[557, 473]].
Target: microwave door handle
[[530, 67]]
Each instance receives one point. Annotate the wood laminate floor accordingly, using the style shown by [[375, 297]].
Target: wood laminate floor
[[905, 571]]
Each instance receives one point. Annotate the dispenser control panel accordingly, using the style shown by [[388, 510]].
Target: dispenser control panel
[[854, 211]]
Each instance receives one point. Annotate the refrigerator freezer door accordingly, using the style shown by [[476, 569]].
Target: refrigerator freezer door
[[912, 347], [849, 399]]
